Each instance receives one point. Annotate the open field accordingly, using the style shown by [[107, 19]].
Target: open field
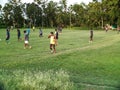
[[83, 65]]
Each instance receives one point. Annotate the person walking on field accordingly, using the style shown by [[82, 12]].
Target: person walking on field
[[56, 36], [91, 36], [40, 33], [7, 35], [26, 40], [52, 42], [18, 34]]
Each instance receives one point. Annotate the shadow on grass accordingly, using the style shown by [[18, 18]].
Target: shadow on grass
[[118, 87], [1, 86]]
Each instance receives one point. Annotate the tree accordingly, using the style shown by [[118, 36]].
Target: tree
[[114, 9], [63, 10], [1, 17], [7, 14], [51, 13], [79, 11], [13, 13]]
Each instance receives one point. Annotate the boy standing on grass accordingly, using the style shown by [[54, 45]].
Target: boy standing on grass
[[52, 42], [91, 36], [56, 36], [40, 32], [7, 35], [26, 41], [18, 34], [106, 28]]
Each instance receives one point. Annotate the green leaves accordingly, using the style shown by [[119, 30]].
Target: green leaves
[[51, 14]]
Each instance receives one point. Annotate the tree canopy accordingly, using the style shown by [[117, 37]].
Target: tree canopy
[[44, 13]]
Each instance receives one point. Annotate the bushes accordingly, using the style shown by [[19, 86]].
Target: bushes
[[35, 80]]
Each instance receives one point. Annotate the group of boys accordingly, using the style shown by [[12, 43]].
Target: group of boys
[[53, 38]]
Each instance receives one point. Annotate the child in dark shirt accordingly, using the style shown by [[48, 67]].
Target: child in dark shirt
[[91, 35], [7, 35], [18, 34], [56, 36], [40, 32]]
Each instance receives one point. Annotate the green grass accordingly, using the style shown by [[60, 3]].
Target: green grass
[[90, 66], [35, 80]]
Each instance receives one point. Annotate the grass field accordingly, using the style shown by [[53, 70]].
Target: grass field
[[77, 65]]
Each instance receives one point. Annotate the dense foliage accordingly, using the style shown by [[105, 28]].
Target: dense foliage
[[46, 13]]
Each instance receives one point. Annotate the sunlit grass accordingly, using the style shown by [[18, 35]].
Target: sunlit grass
[[86, 66], [35, 80]]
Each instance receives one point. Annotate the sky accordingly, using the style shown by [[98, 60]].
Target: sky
[[69, 2]]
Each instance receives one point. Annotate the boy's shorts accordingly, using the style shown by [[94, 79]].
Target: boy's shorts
[[52, 45], [26, 42]]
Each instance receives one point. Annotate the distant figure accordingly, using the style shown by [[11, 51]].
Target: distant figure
[[56, 36], [18, 34], [12, 28], [40, 32], [33, 28], [52, 42], [26, 41], [60, 29], [91, 35], [7, 35], [106, 28], [28, 32], [118, 29]]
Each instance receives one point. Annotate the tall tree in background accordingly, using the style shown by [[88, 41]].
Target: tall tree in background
[[7, 15], [114, 10], [13, 13], [30, 13], [63, 8], [94, 14], [51, 14], [1, 17], [79, 14], [0, 8]]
